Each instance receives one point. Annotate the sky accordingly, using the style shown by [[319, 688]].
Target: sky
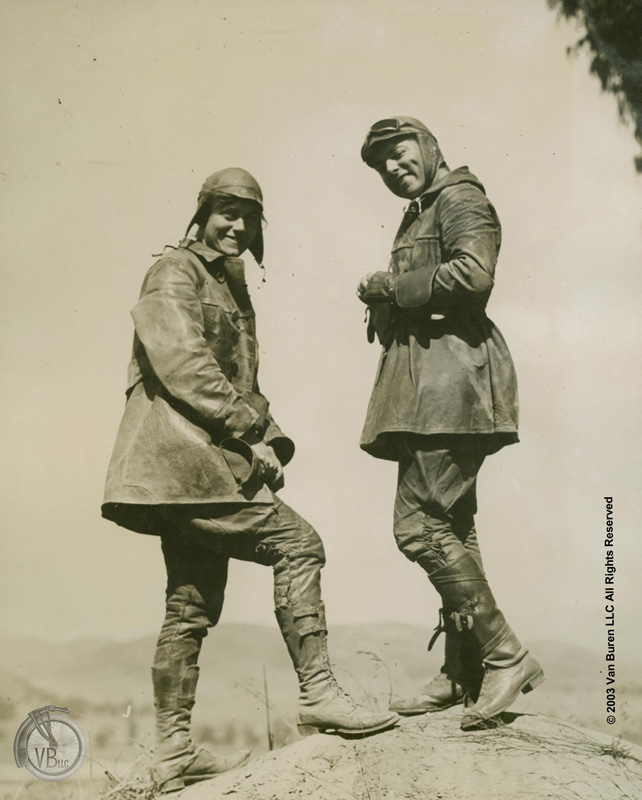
[[115, 112]]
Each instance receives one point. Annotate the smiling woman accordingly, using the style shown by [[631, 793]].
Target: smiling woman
[[232, 225], [229, 213], [197, 461]]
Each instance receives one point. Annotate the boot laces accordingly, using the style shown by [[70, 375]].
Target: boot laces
[[334, 683]]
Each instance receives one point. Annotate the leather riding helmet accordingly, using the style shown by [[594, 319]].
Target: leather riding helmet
[[232, 182], [401, 128]]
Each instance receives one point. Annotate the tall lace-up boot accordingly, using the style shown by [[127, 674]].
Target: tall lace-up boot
[[323, 706], [177, 761]]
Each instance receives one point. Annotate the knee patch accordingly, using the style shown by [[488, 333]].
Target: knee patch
[[304, 543], [296, 566]]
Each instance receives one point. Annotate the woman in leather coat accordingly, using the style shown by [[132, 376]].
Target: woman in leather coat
[[197, 461]]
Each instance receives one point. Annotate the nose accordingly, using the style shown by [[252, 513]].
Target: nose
[[391, 166], [239, 225]]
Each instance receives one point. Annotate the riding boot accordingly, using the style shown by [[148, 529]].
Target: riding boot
[[323, 705], [445, 689], [509, 670], [177, 761], [508, 666], [473, 673], [459, 678]]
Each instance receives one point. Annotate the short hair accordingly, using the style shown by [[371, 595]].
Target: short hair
[[216, 202]]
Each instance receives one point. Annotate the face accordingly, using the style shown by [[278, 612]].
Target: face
[[232, 226], [401, 166]]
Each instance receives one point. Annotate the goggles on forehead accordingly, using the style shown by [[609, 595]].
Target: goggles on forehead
[[386, 126], [391, 128]]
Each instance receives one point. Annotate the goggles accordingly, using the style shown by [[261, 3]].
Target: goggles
[[392, 128]]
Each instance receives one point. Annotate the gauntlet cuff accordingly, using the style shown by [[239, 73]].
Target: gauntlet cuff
[[381, 286]]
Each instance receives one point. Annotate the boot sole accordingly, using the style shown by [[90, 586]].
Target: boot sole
[[413, 712], [310, 730], [175, 785], [207, 775], [183, 781], [479, 723]]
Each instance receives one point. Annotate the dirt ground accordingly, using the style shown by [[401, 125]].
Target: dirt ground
[[530, 756]]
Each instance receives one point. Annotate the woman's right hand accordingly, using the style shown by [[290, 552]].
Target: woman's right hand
[[271, 469]]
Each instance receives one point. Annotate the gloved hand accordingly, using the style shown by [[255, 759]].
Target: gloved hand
[[271, 469], [377, 287]]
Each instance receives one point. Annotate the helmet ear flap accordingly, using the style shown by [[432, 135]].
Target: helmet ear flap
[[428, 149], [200, 215], [256, 248]]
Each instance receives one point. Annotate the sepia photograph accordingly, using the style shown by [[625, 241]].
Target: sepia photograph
[[321, 413]]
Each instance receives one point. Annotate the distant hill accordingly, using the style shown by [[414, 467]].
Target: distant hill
[[372, 661]]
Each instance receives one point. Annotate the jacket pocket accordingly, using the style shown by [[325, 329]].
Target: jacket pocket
[[219, 321], [221, 334], [426, 252]]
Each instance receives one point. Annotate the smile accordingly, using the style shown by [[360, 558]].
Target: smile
[[400, 179]]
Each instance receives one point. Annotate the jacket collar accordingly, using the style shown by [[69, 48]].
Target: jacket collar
[[202, 250], [455, 176], [230, 268]]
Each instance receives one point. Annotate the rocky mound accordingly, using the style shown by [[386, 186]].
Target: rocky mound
[[530, 756]]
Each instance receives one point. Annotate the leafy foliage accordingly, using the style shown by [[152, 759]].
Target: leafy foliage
[[613, 32]]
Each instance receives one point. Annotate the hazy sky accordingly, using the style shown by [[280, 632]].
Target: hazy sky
[[114, 113]]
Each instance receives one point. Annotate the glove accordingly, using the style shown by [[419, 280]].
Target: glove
[[381, 321], [252, 465], [377, 287]]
